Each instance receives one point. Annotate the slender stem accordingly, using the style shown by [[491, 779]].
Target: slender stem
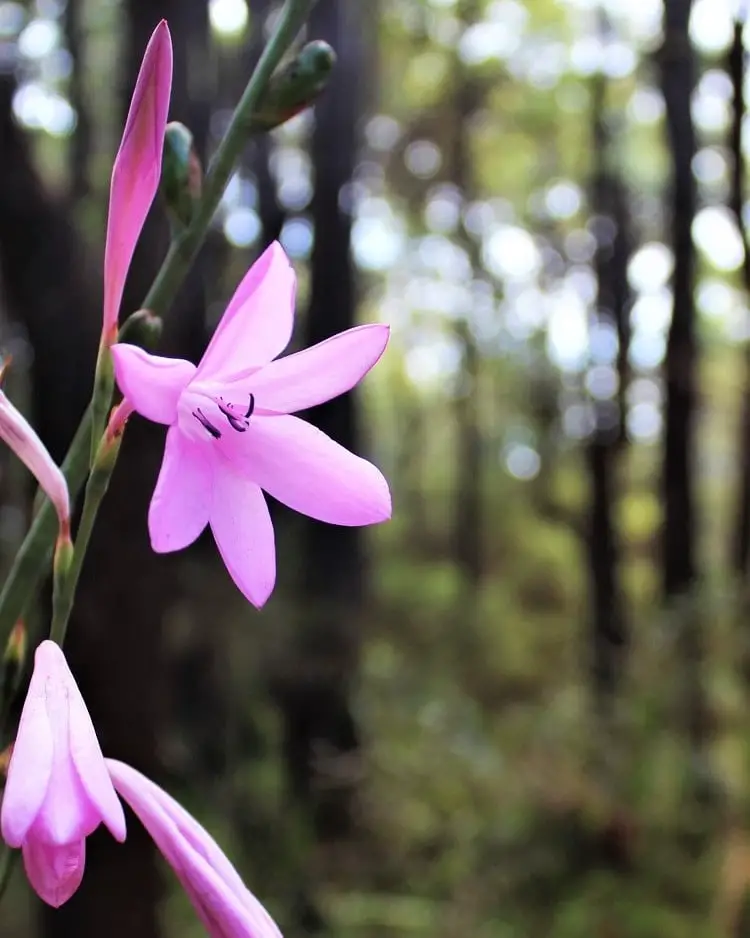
[[185, 246], [96, 489], [32, 560]]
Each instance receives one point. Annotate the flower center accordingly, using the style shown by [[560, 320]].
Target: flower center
[[204, 415]]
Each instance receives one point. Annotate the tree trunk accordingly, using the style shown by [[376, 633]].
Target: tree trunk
[[320, 732], [740, 546], [607, 613], [80, 145], [680, 364]]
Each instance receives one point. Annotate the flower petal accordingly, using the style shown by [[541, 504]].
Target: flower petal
[[226, 907], [319, 373], [23, 440], [151, 383], [55, 872], [89, 763], [257, 324], [137, 168], [243, 532], [31, 763], [79, 793], [306, 470], [181, 501]]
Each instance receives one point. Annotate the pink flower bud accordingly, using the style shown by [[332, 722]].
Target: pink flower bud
[[58, 789], [136, 172], [18, 433]]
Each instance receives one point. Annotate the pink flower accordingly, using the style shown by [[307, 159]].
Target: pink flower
[[135, 176], [58, 789], [21, 437], [224, 904], [231, 434]]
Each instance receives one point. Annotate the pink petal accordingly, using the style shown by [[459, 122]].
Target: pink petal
[[137, 168], [306, 470], [150, 383], [21, 437], [257, 324], [55, 872], [31, 763], [319, 373], [182, 499], [79, 793], [243, 532], [224, 904], [92, 772]]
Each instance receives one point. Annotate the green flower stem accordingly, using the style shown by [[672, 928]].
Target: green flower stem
[[33, 558], [101, 400], [96, 488]]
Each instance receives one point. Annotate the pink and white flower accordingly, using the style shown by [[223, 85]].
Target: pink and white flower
[[232, 434]]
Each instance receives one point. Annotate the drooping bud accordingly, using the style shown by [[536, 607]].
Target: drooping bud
[[295, 86], [21, 437], [181, 173], [141, 328]]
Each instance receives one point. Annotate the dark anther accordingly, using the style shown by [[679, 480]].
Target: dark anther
[[205, 422], [251, 407], [236, 423]]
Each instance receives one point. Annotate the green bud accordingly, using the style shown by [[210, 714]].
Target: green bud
[[294, 86], [181, 173], [141, 328]]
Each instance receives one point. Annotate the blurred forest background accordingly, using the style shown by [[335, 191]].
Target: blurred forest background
[[520, 709]]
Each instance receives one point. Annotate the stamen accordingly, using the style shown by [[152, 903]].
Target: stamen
[[206, 423], [240, 424]]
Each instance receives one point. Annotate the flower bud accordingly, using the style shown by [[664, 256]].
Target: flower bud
[[295, 86], [181, 174], [21, 437], [141, 328]]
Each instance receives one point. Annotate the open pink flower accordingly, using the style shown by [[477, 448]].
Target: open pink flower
[[225, 906], [137, 168], [58, 789], [231, 432], [22, 438]]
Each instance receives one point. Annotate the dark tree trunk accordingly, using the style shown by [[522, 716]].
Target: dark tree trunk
[[740, 547], [80, 148], [607, 615], [115, 645], [46, 284], [313, 690], [467, 520], [680, 365]]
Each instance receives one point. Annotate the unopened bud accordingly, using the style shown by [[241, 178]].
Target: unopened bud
[[117, 420], [181, 173], [141, 328], [295, 85], [21, 437]]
